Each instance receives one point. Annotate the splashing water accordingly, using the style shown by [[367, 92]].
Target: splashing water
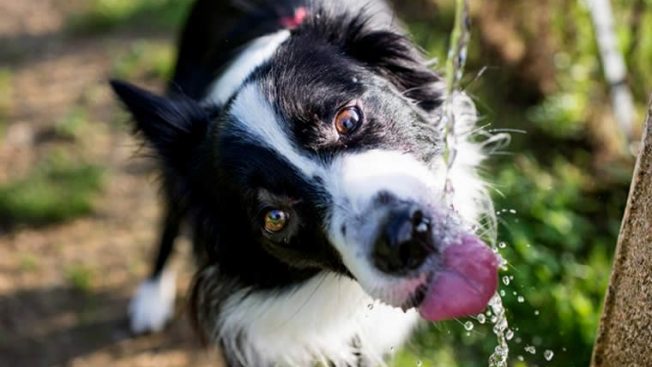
[[499, 357], [457, 54]]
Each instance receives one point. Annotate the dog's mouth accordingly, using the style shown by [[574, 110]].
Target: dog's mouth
[[461, 284]]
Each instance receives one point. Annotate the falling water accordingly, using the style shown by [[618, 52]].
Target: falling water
[[499, 357], [457, 54]]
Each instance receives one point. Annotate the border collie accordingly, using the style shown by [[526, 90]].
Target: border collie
[[303, 143]]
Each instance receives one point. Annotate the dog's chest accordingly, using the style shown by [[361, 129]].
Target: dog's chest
[[328, 318]]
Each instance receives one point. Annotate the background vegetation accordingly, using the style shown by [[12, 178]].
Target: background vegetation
[[560, 187]]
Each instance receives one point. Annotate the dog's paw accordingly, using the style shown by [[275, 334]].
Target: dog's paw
[[153, 304]]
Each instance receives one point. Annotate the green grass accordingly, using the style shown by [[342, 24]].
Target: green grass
[[145, 60], [52, 192], [71, 125], [28, 263], [105, 15], [80, 277], [5, 97]]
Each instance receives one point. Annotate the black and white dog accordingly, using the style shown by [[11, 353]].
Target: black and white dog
[[300, 141]]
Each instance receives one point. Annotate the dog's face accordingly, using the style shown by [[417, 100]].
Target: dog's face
[[325, 159]]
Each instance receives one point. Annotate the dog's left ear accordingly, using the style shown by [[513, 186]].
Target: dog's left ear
[[394, 56], [173, 126]]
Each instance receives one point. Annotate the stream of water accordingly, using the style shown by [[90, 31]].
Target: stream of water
[[454, 70]]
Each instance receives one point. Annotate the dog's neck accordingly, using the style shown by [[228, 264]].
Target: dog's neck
[[328, 318]]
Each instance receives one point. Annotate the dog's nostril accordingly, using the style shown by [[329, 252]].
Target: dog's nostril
[[404, 243]]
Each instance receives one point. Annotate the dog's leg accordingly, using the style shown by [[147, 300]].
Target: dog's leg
[[153, 304]]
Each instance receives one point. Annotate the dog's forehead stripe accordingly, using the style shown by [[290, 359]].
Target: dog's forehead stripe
[[253, 55], [257, 119]]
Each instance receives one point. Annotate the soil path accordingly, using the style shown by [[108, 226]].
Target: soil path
[[45, 318]]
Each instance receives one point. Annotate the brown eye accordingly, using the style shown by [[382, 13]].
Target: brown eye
[[348, 120], [276, 220]]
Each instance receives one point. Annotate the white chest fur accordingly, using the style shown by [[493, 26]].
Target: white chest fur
[[318, 320]]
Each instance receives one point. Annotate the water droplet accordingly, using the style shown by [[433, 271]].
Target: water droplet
[[530, 349], [548, 354], [513, 211], [520, 358], [518, 340], [419, 363], [536, 312], [502, 244], [502, 293], [468, 325], [481, 318], [506, 280], [520, 299], [509, 334]]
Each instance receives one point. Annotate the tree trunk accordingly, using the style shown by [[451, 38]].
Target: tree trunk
[[625, 334]]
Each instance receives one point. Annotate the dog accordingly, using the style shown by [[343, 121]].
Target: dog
[[304, 143]]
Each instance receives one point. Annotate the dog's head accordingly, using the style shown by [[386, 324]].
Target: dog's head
[[326, 158]]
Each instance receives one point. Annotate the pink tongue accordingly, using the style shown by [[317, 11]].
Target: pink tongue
[[465, 283]]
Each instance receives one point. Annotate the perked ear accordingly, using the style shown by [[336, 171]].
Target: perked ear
[[394, 56], [173, 126]]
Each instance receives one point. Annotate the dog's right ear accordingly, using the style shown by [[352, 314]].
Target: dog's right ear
[[173, 126]]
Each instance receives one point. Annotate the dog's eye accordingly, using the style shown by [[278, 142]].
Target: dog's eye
[[276, 220], [348, 119]]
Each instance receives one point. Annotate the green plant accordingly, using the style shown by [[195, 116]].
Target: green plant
[[52, 192], [80, 277], [105, 15], [145, 59]]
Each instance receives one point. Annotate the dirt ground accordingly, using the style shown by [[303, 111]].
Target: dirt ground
[[45, 318]]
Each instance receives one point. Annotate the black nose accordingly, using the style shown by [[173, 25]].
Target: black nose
[[403, 243]]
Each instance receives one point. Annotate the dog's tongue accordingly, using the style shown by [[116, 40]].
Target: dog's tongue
[[464, 284]]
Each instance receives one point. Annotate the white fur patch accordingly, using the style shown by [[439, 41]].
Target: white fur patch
[[261, 124], [316, 321], [254, 54], [153, 304]]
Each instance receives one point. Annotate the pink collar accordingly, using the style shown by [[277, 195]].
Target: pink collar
[[293, 21]]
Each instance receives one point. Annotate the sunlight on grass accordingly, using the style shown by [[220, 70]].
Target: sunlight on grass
[[80, 277], [28, 263], [145, 60], [444, 356], [71, 125], [52, 192], [5, 97], [105, 15]]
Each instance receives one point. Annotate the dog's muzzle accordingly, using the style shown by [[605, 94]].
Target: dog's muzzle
[[398, 239]]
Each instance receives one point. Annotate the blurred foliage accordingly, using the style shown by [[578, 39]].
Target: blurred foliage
[[145, 60], [106, 15], [55, 191], [80, 277], [561, 192], [5, 96], [72, 124]]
